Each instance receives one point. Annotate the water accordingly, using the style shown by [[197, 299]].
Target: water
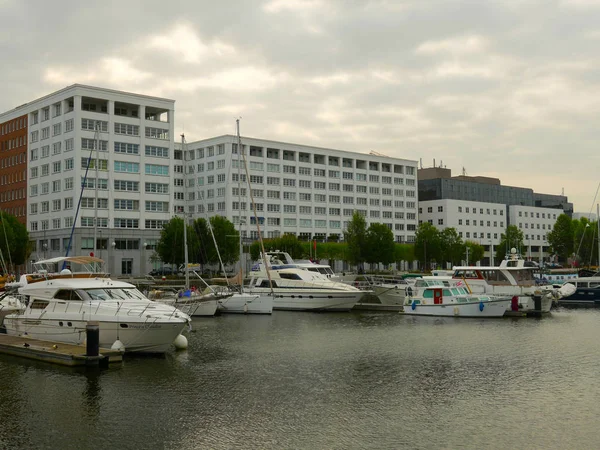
[[325, 381]]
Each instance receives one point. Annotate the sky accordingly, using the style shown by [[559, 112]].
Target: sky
[[507, 89]]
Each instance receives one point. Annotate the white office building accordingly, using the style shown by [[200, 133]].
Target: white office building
[[484, 223], [309, 192], [129, 198]]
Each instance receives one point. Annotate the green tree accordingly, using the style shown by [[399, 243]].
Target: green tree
[[428, 244], [379, 244], [585, 242], [14, 242], [452, 245], [512, 238], [561, 238], [355, 237], [170, 246], [227, 238], [403, 252], [476, 252]]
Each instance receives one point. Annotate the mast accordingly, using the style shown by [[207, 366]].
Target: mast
[[598, 222], [97, 138], [262, 247], [185, 245], [239, 149]]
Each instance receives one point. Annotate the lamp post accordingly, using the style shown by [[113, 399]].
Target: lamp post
[[491, 253], [44, 248], [113, 245]]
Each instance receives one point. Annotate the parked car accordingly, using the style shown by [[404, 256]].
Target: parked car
[[161, 272]]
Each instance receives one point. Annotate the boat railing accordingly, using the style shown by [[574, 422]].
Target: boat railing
[[130, 308]]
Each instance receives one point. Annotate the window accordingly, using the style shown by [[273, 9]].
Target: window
[[126, 148], [128, 167], [155, 169], [157, 133], [159, 152], [126, 205], [154, 206], [90, 125], [127, 129]]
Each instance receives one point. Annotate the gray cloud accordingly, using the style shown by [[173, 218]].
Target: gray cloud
[[508, 89]]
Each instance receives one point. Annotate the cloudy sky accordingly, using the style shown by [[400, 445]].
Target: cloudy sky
[[509, 88]]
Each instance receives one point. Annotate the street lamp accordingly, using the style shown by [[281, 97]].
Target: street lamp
[[144, 260], [491, 253], [44, 247]]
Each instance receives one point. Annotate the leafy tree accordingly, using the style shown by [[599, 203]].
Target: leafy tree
[[288, 243], [14, 242], [452, 245], [227, 238], [403, 252], [476, 251], [585, 242], [512, 238], [170, 247], [561, 238], [379, 244], [428, 244], [355, 237]]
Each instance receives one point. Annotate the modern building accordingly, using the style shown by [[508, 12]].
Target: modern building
[[48, 175], [481, 208], [309, 192]]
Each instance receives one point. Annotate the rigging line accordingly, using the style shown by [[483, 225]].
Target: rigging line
[[594, 201], [83, 184], [218, 252]]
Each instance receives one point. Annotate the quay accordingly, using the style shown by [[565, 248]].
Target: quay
[[57, 352]]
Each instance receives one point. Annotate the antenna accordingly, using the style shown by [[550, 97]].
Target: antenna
[[434, 162]]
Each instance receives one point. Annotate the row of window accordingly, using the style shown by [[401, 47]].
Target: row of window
[[10, 144], [13, 125], [474, 210], [67, 222], [537, 215]]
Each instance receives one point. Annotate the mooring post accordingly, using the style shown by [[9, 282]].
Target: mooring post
[[92, 334]]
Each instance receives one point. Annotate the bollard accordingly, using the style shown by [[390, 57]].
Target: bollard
[[537, 304], [92, 334]]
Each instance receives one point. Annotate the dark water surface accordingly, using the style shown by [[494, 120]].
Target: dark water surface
[[326, 381]]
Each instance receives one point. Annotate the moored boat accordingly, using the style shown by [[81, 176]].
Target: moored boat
[[59, 305], [436, 298]]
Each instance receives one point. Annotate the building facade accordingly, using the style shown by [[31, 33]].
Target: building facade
[[309, 192], [116, 211], [480, 209]]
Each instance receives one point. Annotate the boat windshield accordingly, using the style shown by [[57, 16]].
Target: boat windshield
[[523, 276], [494, 277], [114, 294]]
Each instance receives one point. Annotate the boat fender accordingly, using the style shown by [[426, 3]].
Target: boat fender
[[180, 342], [118, 345], [481, 306], [456, 311], [413, 305]]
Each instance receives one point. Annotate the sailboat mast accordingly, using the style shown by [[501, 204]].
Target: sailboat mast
[[262, 246], [598, 222], [239, 149], [185, 244], [97, 138]]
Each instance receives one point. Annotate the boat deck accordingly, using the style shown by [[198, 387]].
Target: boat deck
[[56, 352]]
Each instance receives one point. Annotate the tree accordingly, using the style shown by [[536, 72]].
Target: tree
[[476, 251], [170, 247], [561, 238], [379, 244], [355, 237], [512, 238], [452, 246], [227, 238], [427, 244], [14, 242]]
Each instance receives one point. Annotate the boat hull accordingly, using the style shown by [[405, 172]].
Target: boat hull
[[142, 337], [246, 304], [313, 301], [491, 309]]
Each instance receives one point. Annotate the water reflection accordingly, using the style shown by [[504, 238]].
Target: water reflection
[[358, 380]]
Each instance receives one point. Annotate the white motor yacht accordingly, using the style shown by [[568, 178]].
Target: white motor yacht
[[515, 278], [302, 290], [58, 306]]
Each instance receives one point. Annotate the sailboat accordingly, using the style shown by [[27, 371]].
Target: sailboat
[[190, 301], [241, 302]]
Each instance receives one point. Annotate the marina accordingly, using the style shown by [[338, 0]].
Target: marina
[[338, 380]]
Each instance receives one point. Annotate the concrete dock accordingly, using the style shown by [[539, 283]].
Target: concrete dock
[[56, 352]]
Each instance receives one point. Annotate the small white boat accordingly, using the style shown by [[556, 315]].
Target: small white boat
[[246, 303], [390, 293], [437, 298], [189, 302], [9, 304]]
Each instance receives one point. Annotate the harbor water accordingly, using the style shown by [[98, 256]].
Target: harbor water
[[355, 380]]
